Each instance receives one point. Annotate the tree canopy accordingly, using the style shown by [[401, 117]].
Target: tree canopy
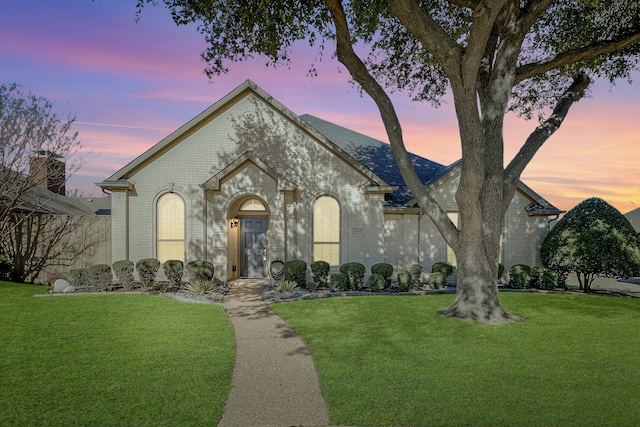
[[492, 56], [593, 239]]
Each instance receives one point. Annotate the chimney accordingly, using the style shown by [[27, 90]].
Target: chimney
[[48, 171]]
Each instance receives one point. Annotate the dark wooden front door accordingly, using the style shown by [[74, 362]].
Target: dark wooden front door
[[253, 248]]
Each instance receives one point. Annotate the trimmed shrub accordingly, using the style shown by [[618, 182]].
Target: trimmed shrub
[[173, 269], [385, 270], [520, 275], [200, 270], [415, 270], [355, 274], [296, 271], [500, 271], [405, 281], [339, 281], [438, 280], [79, 277], [100, 276], [147, 269], [442, 267], [320, 273], [5, 267], [124, 272], [377, 282], [543, 278]]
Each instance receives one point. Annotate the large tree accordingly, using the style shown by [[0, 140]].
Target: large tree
[[493, 56]]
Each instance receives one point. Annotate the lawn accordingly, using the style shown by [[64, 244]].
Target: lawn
[[392, 361], [111, 360]]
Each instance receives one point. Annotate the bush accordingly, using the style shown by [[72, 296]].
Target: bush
[[415, 270], [124, 272], [377, 282], [500, 271], [5, 267], [339, 281], [320, 273], [79, 277], [405, 281], [543, 278], [437, 280], [355, 274], [287, 286], [147, 269], [385, 270], [173, 269], [200, 287], [520, 275], [442, 267], [200, 270], [100, 276], [296, 271]]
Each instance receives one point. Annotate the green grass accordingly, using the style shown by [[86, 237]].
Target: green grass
[[111, 360], [392, 361]]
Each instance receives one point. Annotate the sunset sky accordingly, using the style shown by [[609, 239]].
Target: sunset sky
[[130, 84]]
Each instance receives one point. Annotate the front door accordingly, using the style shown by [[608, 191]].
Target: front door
[[253, 248]]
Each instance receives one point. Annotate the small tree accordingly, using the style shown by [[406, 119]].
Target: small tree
[[593, 239]]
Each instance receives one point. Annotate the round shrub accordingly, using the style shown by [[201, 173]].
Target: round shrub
[[442, 267], [543, 278], [100, 276], [339, 281], [173, 270], [405, 281], [147, 269], [79, 277], [124, 272], [520, 275], [355, 274], [437, 280], [383, 269], [296, 271], [415, 270], [320, 273], [200, 270], [376, 282]]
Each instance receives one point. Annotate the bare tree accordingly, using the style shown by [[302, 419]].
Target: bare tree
[[38, 151]]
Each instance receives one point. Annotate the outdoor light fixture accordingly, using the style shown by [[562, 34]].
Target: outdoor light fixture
[[234, 222]]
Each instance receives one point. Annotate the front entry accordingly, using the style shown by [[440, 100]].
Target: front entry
[[253, 248]]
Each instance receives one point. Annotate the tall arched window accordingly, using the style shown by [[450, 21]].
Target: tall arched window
[[170, 220], [326, 230]]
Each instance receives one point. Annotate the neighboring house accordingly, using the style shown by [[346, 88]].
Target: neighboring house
[[634, 218], [51, 233], [247, 182]]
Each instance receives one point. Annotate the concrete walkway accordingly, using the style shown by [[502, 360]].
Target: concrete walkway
[[274, 380]]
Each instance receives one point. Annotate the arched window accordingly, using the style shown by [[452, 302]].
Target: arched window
[[170, 218], [326, 230]]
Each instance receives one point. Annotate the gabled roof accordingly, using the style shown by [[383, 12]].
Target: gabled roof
[[213, 183], [377, 156], [120, 178]]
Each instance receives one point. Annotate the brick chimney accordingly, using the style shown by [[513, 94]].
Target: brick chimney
[[48, 170]]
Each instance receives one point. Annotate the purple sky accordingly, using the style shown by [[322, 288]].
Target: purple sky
[[130, 84]]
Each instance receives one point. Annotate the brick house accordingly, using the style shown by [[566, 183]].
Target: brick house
[[247, 182]]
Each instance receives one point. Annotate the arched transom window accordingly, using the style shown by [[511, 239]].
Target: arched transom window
[[170, 218], [253, 205], [326, 230]]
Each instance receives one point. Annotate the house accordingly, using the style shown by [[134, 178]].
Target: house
[[634, 218], [247, 182]]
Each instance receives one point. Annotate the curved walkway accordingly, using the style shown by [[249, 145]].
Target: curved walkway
[[274, 381]]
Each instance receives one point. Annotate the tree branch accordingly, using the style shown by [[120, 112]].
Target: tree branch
[[359, 72], [584, 53], [542, 133]]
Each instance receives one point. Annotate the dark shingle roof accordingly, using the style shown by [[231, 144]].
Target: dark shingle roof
[[376, 156]]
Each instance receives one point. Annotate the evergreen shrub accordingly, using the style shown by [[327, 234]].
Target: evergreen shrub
[[124, 272], [79, 277], [339, 281], [320, 273], [377, 282], [520, 274], [296, 270], [200, 270], [405, 281], [100, 276], [173, 270], [355, 274], [437, 280], [415, 270], [147, 269], [383, 269]]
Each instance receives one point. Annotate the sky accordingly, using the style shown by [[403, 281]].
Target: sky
[[131, 83]]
